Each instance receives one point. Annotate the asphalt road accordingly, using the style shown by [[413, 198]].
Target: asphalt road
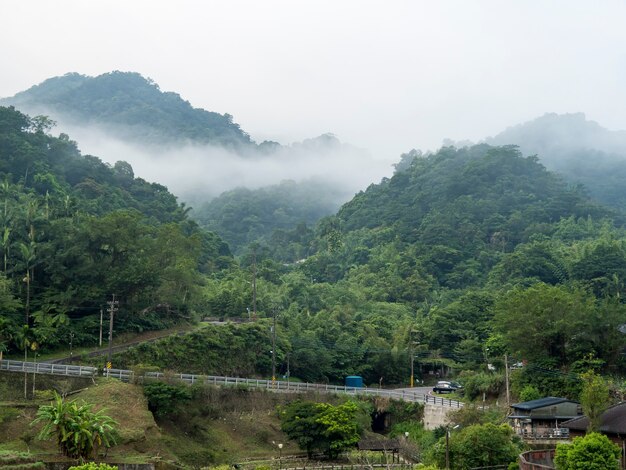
[[418, 390]]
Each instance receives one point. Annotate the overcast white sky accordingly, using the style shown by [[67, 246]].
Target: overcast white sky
[[383, 75]]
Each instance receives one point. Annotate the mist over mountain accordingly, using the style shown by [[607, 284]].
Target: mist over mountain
[[582, 151], [196, 153]]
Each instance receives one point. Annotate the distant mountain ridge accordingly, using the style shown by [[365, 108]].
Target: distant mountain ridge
[[582, 151], [552, 134], [131, 107]]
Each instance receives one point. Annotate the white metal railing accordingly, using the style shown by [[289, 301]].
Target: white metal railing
[[275, 386], [45, 368]]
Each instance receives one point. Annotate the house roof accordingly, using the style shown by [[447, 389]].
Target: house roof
[[612, 421], [540, 403]]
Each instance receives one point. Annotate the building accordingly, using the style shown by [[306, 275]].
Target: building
[[543, 418]]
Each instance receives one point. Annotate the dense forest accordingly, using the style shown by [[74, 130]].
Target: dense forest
[[582, 151], [132, 107], [459, 258], [75, 231], [243, 216], [464, 256]]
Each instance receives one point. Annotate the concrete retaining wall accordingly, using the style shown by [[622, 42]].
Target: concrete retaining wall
[[435, 416]]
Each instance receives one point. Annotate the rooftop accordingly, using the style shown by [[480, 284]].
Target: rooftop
[[541, 402], [612, 421]]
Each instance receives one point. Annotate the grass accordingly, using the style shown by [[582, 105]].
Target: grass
[[218, 426]]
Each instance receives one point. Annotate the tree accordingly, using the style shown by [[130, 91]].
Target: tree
[[79, 430], [545, 322], [593, 452], [594, 398], [478, 446], [163, 398], [321, 426]]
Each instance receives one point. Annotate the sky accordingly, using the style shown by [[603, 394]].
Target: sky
[[385, 76]]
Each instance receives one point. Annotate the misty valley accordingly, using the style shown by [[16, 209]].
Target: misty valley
[[143, 236]]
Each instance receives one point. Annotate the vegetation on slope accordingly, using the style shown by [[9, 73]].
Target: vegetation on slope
[[75, 230], [132, 106], [270, 214]]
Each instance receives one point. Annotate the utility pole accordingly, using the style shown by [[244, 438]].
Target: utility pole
[[506, 375], [100, 342], [112, 309], [274, 347]]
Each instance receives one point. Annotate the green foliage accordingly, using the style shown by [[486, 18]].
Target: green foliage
[[321, 426], [479, 384], [231, 350], [163, 398], [478, 446], [545, 321], [592, 452], [73, 230], [131, 99], [79, 430], [594, 398], [529, 393], [93, 466], [279, 215]]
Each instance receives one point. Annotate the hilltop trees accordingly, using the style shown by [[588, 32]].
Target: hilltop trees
[[74, 231]]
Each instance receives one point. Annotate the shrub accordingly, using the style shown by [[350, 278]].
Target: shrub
[[593, 452], [79, 430], [163, 398]]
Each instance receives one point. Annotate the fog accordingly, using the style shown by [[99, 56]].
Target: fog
[[196, 173], [385, 76]]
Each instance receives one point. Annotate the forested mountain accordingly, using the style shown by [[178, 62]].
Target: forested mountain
[[243, 216], [465, 255], [130, 107], [460, 257], [456, 211], [75, 230], [581, 150]]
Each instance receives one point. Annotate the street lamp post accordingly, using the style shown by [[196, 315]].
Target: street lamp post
[[448, 445]]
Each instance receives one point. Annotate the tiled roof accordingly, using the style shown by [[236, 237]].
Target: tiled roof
[[612, 421], [541, 402]]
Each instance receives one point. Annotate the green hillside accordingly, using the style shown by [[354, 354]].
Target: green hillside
[[466, 255], [130, 106], [243, 216], [76, 230], [582, 151]]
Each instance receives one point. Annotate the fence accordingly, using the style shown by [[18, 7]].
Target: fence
[[274, 386], [46, 368], [537, 460]]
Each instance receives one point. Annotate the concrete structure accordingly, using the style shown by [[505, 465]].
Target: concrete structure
[[435, 416]]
